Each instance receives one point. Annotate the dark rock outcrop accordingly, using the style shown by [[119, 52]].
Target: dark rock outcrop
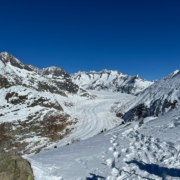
[[15, 137]]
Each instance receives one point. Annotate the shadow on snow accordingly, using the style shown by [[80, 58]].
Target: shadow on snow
[[94, 177], [156, 170]]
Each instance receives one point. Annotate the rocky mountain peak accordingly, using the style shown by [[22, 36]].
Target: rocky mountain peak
[[54, 71], [53, 79], [8, 58], [4, 54]]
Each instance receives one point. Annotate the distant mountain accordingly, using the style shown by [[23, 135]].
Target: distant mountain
[[159, 98], [110, 81]]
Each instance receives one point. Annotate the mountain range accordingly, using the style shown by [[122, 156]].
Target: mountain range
[[109, 80], [89, 125]]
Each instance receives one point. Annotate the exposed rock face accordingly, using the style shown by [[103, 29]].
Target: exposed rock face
[[33, 134], [30, 98], [14, 168], [4, 83], [159, 98], [30, 120], [60, 78], [110, 81]]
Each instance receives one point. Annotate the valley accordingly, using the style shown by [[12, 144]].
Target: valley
[[89, 125]]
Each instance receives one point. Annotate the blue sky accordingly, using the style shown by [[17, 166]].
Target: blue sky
[[132, 36]]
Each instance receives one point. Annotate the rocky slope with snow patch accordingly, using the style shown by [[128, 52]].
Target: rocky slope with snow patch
[[110, 81], [33, 104], [159, 98], [29, 120]]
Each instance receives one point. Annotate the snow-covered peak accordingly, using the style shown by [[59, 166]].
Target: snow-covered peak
[[52, 68], [174, 73], [14, 72], [4, 54], [6, 57], [110, 80], [105, 71], [54, 71], [137, 76]]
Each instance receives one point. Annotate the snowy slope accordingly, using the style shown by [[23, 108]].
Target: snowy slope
[[159, 98], [129, 151], [110, 81]]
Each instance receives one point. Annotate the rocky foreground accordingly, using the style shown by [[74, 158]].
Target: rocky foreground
[[14, 167]]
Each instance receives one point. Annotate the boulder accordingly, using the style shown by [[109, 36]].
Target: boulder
[[14, 168]]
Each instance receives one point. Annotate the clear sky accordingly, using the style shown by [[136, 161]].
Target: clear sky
[[132, 36]]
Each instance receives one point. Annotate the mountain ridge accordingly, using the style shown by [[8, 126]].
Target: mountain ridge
[[157, 99], [33, 102], [30, 76], [111, 81]]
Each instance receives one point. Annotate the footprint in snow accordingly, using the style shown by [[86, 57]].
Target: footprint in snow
[[124, 150], [112, 141], [111, 149], [110, 162], [115, 144], [115, 136], [115, 172], [116, 154]]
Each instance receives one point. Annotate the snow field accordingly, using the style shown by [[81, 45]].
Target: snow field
[[93, 115], [130, 152], [130, 160]]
